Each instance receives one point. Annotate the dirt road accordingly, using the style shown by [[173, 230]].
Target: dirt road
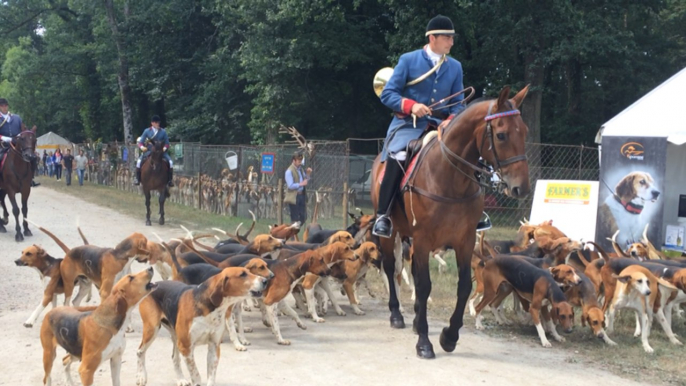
[[350, 350]]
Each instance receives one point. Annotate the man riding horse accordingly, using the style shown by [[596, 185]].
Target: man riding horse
[[154, 133], [422, 78], [10, 126]]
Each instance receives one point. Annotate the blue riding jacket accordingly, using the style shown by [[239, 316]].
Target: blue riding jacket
[[160, 136], [11, 128], [441, 84]]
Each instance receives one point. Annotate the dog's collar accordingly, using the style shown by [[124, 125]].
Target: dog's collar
[[630, 206]]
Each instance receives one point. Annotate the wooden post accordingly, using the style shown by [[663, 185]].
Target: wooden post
[[345, 205], [199, 192], [279, 203]]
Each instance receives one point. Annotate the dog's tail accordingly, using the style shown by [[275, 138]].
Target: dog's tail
[[616, 247], [53, 237], [203, 246], [653, 253], [78, 227], [176, 267], [209, 261], [600, 250], [252, 226], [482, 257]]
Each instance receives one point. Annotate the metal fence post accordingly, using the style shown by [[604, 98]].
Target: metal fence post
[[345, 205], [581, 159], [199, 192], [279, 205]]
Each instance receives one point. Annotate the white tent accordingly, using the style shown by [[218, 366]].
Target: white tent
[[659, 114], [52, 141]]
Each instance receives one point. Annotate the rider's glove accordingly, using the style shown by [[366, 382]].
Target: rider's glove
[[144, 149], [5, 139]]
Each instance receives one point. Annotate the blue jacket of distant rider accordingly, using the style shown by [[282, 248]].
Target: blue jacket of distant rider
[[399, 98], [160, 136]]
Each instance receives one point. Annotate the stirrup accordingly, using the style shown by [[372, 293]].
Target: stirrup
[[390, 227], [485, 223]]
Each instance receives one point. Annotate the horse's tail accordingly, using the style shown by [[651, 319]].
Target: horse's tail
[[53, 237]]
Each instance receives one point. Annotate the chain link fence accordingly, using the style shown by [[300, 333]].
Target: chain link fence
[[232, 180]]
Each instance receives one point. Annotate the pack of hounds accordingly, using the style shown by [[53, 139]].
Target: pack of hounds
[[206, 289]]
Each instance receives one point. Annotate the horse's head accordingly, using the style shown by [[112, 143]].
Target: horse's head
[[501, 141], [25, 143]]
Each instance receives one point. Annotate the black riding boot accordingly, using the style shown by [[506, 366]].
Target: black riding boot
[[170, 178], [387, 192], [137, 178]]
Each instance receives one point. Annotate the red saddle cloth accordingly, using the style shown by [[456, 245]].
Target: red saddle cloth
[[408, 171]]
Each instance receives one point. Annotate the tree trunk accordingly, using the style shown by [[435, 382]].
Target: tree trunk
[[123, 75], [534, 74]]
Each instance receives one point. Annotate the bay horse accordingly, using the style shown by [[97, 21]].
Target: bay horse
[[17, 174], [443, 202], [154, 176]]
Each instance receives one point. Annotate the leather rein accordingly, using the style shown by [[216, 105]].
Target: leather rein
[[449, 155]]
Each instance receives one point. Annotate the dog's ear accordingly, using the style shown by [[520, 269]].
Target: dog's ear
[[623, 279], [218, 293], [625, 187]]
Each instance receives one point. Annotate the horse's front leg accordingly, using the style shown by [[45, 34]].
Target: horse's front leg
[[25, 213], [388, 258], [422, 282], [450, 335], [163, 197], [15, 211], [147, 208], [5, 214]]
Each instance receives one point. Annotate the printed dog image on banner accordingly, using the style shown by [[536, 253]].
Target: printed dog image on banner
[[631, 184]]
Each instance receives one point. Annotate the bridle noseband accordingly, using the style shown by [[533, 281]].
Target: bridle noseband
[[489, 132]]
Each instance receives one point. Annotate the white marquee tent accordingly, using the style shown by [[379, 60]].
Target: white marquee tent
[[660, 113], [52, 141]]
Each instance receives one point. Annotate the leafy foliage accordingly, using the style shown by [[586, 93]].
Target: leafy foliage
[[233, 71]]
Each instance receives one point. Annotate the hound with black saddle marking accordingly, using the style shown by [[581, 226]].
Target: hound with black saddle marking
[[93, 334]]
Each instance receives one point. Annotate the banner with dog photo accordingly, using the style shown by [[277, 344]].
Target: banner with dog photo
[[632, 171]]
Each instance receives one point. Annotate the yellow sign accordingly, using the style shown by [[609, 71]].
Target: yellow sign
[[568, 193]]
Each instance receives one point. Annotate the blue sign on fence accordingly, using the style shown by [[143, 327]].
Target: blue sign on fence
[[267, 163]]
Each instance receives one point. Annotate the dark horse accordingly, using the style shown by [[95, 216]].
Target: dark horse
[[17, 174], [444, 202], [154, 176]]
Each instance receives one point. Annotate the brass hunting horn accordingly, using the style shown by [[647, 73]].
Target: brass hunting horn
[[383, 75]]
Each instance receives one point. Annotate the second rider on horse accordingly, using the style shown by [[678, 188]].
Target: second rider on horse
[[157, 134]]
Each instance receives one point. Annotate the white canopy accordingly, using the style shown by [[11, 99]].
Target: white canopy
[[52, 141], [658, 114]]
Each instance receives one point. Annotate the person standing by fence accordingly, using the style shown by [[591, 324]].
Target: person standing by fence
[[81, 163], [296, 193], [68, 162]]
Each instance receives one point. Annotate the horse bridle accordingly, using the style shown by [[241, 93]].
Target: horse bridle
[[14, 148], [445, 151]]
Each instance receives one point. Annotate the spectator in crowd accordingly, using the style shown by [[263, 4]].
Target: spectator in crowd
[[81, 163], [57, 164], [50, 162], [296, 194], [45, 162], [68, 163]]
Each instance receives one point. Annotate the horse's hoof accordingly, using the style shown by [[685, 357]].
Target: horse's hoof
[[19, 238], [426, 351], [397, 321], [448, 343], [161, 221], [148, 223], [27, 233]]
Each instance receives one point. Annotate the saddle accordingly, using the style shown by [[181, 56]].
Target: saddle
[[414, 153]]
